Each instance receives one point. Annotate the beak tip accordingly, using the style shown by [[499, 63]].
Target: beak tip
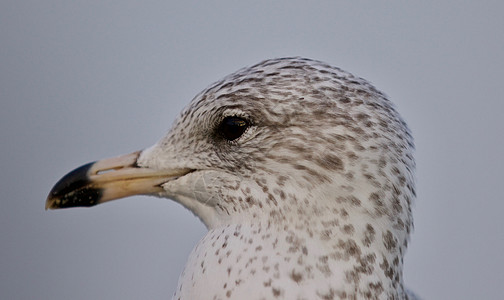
[[51, 203], [73, 190], [84, 197]]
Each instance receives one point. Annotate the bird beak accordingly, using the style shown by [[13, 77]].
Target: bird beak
[[108, 179]]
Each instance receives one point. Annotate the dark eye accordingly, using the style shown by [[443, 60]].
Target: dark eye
[[232, 128]]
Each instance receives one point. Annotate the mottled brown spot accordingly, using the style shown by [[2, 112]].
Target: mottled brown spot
[[268, 283], [348, 229], [389, 241], [296, 277], [369, 235]]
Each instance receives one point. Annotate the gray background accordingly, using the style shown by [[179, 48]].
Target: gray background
[[84, 80]]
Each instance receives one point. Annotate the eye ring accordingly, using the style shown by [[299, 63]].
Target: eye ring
[[232, 127]]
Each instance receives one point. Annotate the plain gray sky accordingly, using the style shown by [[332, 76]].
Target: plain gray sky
[[84, 80]]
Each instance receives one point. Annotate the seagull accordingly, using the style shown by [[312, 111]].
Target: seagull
[[303, 174]]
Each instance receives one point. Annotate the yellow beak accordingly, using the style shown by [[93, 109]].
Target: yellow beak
[[108, 179]]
